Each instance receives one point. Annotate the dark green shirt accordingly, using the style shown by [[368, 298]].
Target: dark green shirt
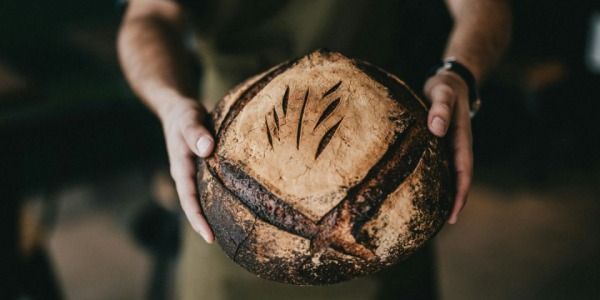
[[240, 38]]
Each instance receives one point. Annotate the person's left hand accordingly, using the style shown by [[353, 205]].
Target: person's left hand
[[449, 114]]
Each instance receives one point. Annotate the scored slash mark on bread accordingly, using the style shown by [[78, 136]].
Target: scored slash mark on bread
[[327, 137], [300, 119], [332, 89], [327, 112], [284, 101], [276, 119], [269, 133]]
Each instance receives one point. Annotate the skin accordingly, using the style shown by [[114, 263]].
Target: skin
[[154, 62]]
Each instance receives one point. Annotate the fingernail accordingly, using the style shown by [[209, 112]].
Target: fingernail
[[203, 145], [438, 125]]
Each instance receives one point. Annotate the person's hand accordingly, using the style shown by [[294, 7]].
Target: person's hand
[[449, 114], [186, 138]]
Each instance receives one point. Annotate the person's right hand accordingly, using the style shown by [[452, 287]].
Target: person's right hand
[[186, 138]]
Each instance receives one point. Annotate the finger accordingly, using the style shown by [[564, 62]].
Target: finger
[[182, 171], [463, 160], [196, 136], [442, 104], [198, 139]]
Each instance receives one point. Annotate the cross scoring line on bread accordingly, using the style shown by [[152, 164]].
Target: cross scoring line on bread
[[340, 228]]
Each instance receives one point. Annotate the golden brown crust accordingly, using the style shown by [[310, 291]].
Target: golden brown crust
[[324, 171]]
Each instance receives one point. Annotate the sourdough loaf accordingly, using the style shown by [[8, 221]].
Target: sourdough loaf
[[324, 171]]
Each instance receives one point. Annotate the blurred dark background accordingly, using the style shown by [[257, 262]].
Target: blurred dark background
[[83, 164]]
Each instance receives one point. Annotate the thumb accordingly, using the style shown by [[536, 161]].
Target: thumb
[[198, 139], [442, 104]]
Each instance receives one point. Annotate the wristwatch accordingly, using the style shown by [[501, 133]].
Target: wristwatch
[[452, 65]]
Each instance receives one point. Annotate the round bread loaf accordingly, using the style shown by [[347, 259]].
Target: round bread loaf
[[324, 170]]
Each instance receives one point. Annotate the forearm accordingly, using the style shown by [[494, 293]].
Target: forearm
[[153, 59], [480, 35]]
